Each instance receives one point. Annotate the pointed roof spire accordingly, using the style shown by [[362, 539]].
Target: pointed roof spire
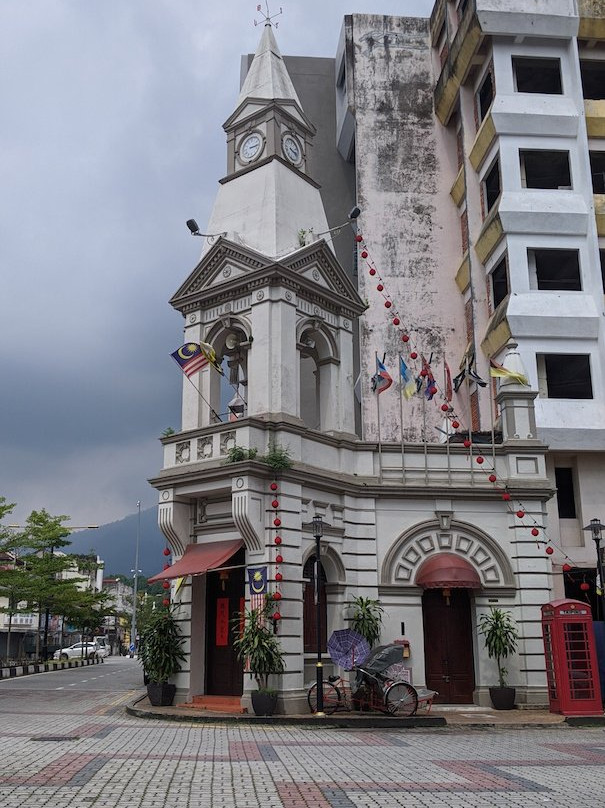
[[268, 77]]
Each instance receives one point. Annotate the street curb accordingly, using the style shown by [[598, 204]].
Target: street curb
[[13, 671], [585, 720]]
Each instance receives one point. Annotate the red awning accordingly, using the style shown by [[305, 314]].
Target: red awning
[[447, 571], [199, 558]]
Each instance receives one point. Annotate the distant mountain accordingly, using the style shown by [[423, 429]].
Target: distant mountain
[[116, 542]]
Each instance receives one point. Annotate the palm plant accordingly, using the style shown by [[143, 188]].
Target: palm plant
[[500, 637], [257, 646], [161, 647], [367, 618]]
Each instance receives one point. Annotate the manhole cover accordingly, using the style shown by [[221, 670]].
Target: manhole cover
[[55, 738]]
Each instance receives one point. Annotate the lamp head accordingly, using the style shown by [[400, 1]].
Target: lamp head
[[193, 226], [355, 212], [318, 526]]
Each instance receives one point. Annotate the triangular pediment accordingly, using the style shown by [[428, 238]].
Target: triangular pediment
[[232, 269], [250, 108]]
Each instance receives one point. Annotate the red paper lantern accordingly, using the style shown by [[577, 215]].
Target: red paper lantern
[[277, 521], [165, 602], [277, 596], [275, 503], [423, 372], [387, 304], [358, 238], [445, 407], [273, 486], [166, 585], [396, 321], [566, 567], [535, 531], [455, 424], [413, 355], [372, 272], [405, 338], [380, 287], [549, 550], [432, 390], [480, 460], [520, 514], [466, 443], [584, 587], [506, 496], [277, 540], [166, 566], [276, 616], [278, 559], [167, 551], [278, 576], [364, 253], [492, 478]]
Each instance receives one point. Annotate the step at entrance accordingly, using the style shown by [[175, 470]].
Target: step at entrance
[[219, 704]]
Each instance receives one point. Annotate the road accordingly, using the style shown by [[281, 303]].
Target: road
[[66, 742]]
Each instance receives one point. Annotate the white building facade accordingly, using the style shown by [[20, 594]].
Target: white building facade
[[435, 528]]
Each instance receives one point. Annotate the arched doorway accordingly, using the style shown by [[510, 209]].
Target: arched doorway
[[448, 581]]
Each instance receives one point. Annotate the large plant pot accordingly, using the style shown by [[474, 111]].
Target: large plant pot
[[503, 698], [263, 702], [161, 695]]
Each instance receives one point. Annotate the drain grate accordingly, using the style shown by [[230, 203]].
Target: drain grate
[[55, 738]]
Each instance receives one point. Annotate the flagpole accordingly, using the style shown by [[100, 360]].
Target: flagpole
[[199, 392], [426, 451], [378, 417], [447, 437], [470, 416], [401, 422], [492, 415]]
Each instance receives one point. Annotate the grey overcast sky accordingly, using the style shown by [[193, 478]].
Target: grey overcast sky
[[110, 139]]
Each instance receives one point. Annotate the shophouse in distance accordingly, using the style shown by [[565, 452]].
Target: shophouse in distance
[[470, 144]]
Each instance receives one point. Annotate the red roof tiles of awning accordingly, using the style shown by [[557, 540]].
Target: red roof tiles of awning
[[447, 571], [199, 558]]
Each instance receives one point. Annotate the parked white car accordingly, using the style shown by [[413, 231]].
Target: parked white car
[[79, 650]]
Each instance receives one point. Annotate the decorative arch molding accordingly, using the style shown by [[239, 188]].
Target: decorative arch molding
[[327, 347], [228, 323], [331, 562], [422, 541]]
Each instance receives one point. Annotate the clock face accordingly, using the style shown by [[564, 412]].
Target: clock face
[[292, 149], [250, 147]]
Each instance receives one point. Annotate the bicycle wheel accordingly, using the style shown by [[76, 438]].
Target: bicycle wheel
[[401, 699], [331, 697]]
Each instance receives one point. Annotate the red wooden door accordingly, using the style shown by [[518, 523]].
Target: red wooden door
[[224, 599], [448, 645]]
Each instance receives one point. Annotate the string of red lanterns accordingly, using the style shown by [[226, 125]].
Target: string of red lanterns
[[277, 541]]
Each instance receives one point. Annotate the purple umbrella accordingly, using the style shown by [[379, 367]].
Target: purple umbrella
[[347, 648]]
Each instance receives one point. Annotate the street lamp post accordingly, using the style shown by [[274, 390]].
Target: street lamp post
[[133, 625], [318, 526], [596, 529]]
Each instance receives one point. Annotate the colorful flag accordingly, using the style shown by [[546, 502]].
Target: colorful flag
[[257, 580], [409, 385], [236, 407], [459, 379], [448, 382], [210, 355], [500, 372], [431, 386], [473, 373], [381, 380], [190, 357]]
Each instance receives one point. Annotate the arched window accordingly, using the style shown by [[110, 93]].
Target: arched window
[[310, 608], [229, 392], [317, 375]]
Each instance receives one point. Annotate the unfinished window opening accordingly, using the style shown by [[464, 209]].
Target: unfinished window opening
[[566, 498], [551, 270], [537, 75], [564, 376], [491, 186], [499, 282], [593, 80], [597, 170], [545, 169], [485, 96]]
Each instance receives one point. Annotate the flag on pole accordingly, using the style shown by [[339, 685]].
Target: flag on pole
[[257, 580], [448, 382], [431, 386], [473, 373], [409, 385], [190, 357], [210, 355], [382, 379], [500, 372]]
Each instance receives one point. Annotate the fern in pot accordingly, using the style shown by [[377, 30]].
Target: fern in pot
[[260, 651], [500, 636]]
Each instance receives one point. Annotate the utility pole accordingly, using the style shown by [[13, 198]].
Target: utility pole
[[133, 625]]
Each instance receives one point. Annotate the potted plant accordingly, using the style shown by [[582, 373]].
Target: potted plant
[[500, 638], [161, 653], [367, 619], [260, 651]]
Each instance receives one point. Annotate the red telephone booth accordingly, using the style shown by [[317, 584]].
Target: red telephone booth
[[572, 670]]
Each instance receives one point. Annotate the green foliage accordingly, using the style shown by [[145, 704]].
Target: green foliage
[[256, 644], [500, 638], [238, 453], [161, 647], [277, 458], [367, 618], [166, 433]]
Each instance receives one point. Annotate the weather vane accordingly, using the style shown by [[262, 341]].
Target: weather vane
[[267, 17]]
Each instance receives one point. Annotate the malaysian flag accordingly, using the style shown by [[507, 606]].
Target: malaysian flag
[[190, 357], [257, 579]]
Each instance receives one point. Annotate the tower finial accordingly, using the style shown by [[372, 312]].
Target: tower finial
[[267, 16]]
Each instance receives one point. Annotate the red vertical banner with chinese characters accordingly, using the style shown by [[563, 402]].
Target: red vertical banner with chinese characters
[[222, 621]]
